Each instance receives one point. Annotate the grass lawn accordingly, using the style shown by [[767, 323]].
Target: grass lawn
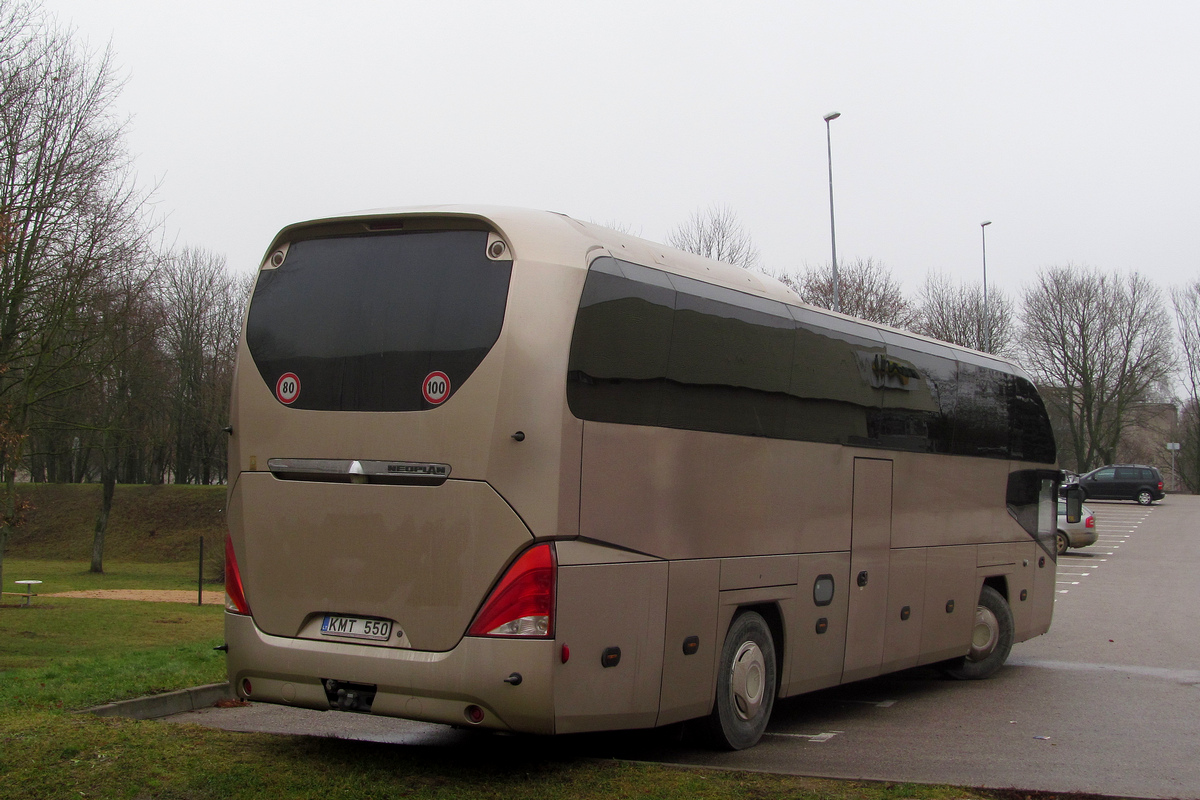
[[69, 576]]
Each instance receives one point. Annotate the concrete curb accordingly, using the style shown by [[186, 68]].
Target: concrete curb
[[164, 705]]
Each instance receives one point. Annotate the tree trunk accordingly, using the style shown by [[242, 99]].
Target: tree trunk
[[109, 481]]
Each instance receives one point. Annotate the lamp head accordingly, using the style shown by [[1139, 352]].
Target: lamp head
[[985, 224], [832, 115]]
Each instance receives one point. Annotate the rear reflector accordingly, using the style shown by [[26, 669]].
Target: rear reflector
[[522, 604], [235, 596]]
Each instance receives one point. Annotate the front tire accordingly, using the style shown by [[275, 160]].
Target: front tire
[[746, 684], [1144, 497], [991, 639]]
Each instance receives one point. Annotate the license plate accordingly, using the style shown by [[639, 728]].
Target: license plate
[[357, 627]]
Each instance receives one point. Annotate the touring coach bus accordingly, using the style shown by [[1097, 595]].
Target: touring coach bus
[[502, 468]]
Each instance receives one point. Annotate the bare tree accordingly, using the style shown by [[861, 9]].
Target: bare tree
[[203, 303], [716, 233], [1187, 321], [70, 218], [953, 312], [1098, 344], [866, 290]]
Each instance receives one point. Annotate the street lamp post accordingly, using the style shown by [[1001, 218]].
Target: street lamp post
[[987, 326], [837, 303]]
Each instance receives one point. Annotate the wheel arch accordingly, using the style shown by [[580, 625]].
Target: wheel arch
[[1000, 584]]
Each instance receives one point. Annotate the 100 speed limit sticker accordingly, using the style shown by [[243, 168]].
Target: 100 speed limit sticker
[[436, 387]]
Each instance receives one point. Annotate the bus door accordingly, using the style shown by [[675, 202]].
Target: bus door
[[870, 543]]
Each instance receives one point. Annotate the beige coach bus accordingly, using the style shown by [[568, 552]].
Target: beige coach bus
[[502, 468]]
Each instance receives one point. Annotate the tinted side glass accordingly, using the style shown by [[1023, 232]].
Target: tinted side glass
[[832, 397], [1031, 437], [1128, 474], [1104, 474], [919, 398], [618, 363], [730, 361], [981, 420], [653, 348]]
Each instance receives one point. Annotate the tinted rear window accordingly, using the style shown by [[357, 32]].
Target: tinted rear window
[[363, 322]]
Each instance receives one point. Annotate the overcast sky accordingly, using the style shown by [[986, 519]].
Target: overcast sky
[[1073, 126]]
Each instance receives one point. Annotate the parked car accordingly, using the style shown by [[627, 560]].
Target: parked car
[[1123, 482], [1075, 534]]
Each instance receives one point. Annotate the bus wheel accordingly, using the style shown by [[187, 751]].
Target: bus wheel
[[745, 684], [991, 639]]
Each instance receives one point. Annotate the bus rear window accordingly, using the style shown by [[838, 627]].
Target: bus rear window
[[392, 322]]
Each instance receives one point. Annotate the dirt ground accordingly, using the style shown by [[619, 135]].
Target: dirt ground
[[151, 595]]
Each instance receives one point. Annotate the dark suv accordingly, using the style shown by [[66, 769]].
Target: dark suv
[[1123, 482]]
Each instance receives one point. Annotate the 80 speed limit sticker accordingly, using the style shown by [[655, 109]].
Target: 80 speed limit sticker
[[436, 387], [287, 388]]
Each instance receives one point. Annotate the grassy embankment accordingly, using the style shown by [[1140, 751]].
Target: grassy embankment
[[66, 654]]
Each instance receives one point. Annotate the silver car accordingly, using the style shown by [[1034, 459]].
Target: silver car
[[1075, 534]]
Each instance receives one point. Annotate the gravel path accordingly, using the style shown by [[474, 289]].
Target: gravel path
[[151, 595]]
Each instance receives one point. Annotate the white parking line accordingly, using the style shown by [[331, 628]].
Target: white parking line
[[812, 737]]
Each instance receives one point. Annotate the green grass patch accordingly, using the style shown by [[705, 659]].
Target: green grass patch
[[69, 653], [53, 756]]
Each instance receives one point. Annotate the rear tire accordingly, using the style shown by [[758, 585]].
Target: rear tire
[[746, 684], [1144, 497], [1062, 543], [991, 639]]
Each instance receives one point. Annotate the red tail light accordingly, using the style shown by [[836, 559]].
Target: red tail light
[[522, 604], [1090, 522], [1160, 485], [235, 596]]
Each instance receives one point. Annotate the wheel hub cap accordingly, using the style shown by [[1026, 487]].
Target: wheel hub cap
[[748, 680], [985, 634]]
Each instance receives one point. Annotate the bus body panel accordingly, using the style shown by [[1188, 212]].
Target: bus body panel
[[618, 610], [688, 676], [817, 640], [538, 475], [905, 608], [421, 556], [930, 490], [951, 592], [1015, 563], [711, 495], [434, 687], [1044, 587], [870, 539]]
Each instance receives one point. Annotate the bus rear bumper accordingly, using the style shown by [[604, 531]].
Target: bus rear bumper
[[418, 685]]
